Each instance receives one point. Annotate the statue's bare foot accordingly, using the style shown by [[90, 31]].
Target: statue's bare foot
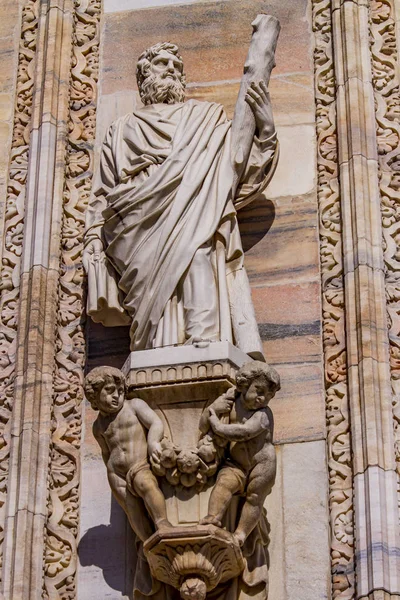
[[164, 524], [239, 537], [198, 341], [210, 520]]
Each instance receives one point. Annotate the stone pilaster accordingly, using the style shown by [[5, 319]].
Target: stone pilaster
[[34, 364], [377, 537], [12, 223]]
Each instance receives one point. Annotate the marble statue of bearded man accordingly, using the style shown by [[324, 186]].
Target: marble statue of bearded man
[[162, 245]]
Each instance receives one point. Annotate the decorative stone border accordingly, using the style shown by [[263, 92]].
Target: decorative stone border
[[334, 321]]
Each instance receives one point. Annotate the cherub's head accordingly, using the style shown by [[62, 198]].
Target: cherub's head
[[258, 383], [105, 389]]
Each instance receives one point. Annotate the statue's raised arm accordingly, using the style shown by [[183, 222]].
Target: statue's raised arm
[[253, 110]]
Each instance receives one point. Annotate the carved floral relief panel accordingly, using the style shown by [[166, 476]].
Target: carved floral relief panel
[[62, 527], [334, 340]]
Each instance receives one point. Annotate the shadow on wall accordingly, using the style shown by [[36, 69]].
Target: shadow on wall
[[111, 549], [106, 345], [255, 221]]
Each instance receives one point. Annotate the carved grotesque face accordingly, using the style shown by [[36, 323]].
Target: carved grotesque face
[[111, 397], [257, 395], [164, 80]]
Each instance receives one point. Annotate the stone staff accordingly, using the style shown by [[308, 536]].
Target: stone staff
[[258, 66]]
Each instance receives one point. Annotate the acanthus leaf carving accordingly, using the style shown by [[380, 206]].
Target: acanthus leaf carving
[[60, 558], [334, 341]]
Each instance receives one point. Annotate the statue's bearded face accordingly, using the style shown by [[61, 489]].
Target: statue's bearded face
[[164, 81]]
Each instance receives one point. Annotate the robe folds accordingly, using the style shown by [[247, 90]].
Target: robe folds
[[163, 191]]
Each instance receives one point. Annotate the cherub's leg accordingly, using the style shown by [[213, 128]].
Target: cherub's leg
[[261, 480], [228, 483], [146, 486], [138, 518], [133, 507]]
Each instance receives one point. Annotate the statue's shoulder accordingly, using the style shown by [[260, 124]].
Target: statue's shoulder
[[116, 127], [203, 107], [122, 121], [203, 103]]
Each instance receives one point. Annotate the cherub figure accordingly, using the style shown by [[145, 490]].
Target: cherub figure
[[120, 430], [251, 465]]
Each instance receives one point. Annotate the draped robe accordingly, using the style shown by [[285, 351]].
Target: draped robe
[[163, 192]]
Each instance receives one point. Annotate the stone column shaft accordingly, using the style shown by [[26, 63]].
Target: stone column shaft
[[370, 397], [31, 420]]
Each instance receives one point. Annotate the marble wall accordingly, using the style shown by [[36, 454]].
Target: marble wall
[[280, 235]]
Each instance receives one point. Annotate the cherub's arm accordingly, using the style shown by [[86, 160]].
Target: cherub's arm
[[105, 452], [240, 432], [153, 424], [222, 405]]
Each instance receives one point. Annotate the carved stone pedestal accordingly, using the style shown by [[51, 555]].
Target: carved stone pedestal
[[187, 437], [179, 383], [194, 560]]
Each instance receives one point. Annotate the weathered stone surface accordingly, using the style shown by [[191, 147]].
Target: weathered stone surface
[[213, 36], [305, 512], [297, 512], [377, 512], [295, 174], [291, 94], [121, 5]]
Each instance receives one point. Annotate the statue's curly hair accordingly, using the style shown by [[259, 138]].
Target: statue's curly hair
[[258, 370], [97, 378], [144, 60]]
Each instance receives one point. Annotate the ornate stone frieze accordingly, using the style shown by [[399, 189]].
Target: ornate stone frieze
[[64, 475], [12, 236], [337, 409], [384, 60]]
